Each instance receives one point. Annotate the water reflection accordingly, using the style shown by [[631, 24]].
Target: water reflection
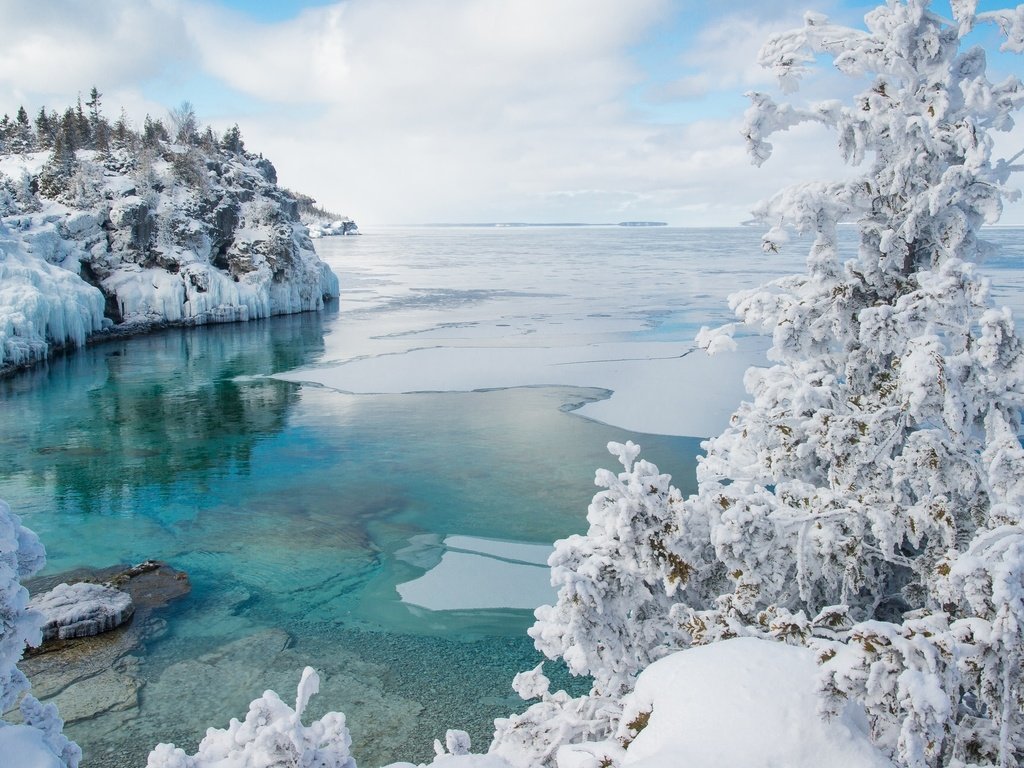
[[91, 426]]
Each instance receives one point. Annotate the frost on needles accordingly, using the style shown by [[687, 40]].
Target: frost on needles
[[867, 502]]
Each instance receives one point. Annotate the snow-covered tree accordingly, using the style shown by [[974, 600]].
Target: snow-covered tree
[[871, 492], [39, 740], [868, 499], [617, 583]]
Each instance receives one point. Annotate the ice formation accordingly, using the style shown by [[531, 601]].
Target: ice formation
[[81, 610], [41, 303], [332, 228], [130, 239], [271, 735], [38, 742]]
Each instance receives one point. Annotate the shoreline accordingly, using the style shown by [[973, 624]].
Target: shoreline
[[124, 331]]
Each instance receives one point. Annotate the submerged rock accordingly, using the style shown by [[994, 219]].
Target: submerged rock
[[89, 675], [81, 610]]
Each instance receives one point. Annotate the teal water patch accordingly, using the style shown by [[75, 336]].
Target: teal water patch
[[293, 509]]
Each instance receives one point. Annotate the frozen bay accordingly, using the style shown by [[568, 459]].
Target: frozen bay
[[309, 472]]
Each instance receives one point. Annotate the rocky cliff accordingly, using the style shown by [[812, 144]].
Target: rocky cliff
[[144, 234]]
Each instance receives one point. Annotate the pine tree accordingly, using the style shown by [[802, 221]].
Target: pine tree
[[6, 133], [872, 492], [94, 106], [82, 127], [45, 129], [153, 133], [232, 140], [99, 128], [122, 132]]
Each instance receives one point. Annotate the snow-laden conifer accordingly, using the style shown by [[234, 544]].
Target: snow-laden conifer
[[868, 499]]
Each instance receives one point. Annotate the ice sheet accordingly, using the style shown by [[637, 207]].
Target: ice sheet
[[656, 388], [483, 574]]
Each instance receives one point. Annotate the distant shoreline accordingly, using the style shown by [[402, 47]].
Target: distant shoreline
[[502, 224]]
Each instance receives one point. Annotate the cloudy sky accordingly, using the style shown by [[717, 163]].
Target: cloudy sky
[[415, 111]]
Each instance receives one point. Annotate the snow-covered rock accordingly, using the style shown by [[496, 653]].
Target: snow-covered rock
[[81, 610], [129, 240], [272, 735], [344, 226]]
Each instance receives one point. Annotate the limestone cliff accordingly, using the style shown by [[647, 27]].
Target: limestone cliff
[[141, 235]]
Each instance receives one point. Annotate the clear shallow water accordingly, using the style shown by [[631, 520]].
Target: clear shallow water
[[293, 508]]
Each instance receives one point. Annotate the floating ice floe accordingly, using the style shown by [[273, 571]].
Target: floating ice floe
[[480, 574], [656, 387]]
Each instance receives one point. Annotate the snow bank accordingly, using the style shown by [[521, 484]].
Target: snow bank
[[26, 747], [741, 703]]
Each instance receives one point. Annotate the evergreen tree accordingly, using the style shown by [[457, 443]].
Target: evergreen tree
[[232, 140], [869, 500], [82, 127], [6, 133], [98, 126], [45, 129], [153, 132], [94, 106], [21, 139], [55, 176], [68, 132]]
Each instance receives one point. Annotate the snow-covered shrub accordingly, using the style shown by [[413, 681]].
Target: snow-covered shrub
[[868, 500], [39, 740], [617, 583], [271, 736]]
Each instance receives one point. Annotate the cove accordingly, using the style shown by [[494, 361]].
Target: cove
[[297, 512]]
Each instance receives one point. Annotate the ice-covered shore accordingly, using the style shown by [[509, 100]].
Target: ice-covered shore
[[122, 246]]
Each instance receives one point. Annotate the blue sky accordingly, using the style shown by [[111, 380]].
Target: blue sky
[[410, 111]]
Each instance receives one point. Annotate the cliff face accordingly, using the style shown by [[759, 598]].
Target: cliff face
[[135, 237]]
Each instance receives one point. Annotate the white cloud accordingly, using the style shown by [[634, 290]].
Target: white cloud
[[417, 110], [53, 50]]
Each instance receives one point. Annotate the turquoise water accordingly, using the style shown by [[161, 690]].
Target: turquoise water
[[286, 505], [297, 510]]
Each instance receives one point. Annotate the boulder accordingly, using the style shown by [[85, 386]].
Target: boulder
[[81, 610]]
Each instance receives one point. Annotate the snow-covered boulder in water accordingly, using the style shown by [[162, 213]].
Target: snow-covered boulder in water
[[81, 610]]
